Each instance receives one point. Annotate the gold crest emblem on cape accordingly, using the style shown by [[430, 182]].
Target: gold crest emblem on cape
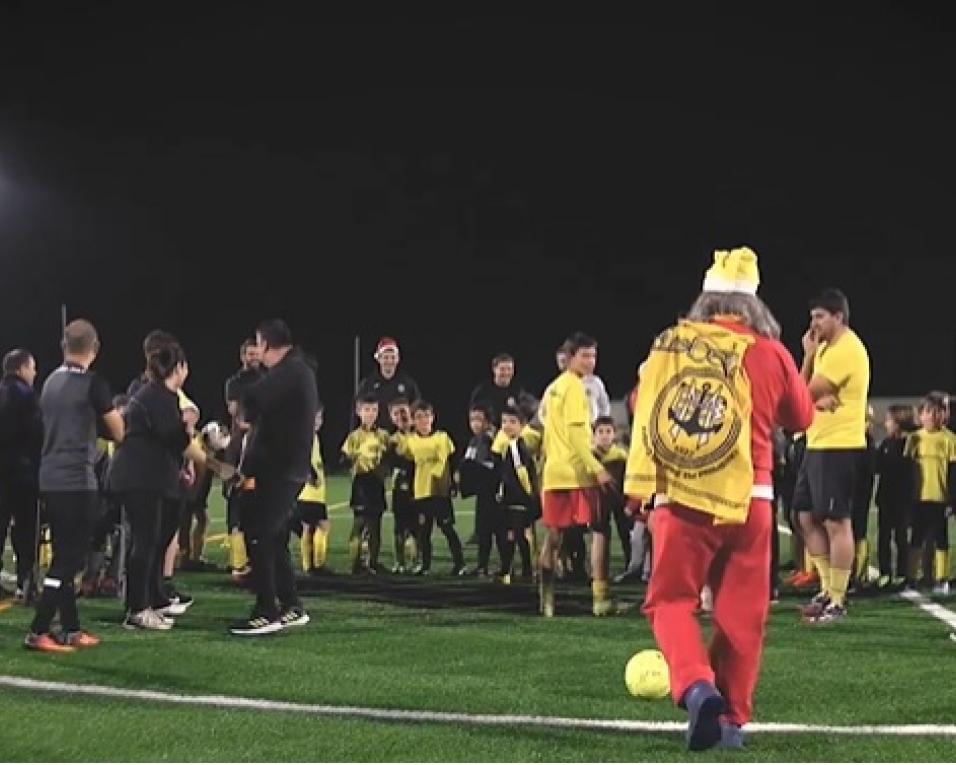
[[691, 438]]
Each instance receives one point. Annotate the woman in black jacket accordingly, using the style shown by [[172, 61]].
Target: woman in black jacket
[[146, 475]]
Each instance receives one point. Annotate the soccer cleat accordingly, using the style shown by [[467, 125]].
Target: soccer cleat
[[704, 705], [461, 570], [731, 736], [148, 619], [176, 606], [80, 639], [816, 606], [883, 582], [831, 614], [398, 568], [295, 617], [626, 576], [256, 626], [46, 644], [605, 607], [806, 580], [505, 579], [941, 588], [5, 605], [420, 570]]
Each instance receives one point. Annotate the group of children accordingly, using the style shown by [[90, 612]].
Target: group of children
[[912, 469], [418, 468]]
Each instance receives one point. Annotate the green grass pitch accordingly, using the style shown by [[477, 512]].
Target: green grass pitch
[[460, 646]]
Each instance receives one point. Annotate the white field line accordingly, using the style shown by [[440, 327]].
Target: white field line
[[458, 718]]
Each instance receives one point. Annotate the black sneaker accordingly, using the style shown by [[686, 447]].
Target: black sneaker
[[461, 570], [256, 626], [294, 617]]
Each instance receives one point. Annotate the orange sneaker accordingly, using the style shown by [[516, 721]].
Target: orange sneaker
[[5, 605], [81, 639], [46, 644], [809, 580], [794, 577]]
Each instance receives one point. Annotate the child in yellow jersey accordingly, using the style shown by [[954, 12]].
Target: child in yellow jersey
[[518, 492], [311, 521], [933, 451], [365, 449], [405, 528], [614, 458], [432, 452]]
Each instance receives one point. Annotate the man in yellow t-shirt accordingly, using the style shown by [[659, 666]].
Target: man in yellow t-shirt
[[572, 475], [836, 367]]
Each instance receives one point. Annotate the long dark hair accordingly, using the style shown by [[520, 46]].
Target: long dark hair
[[161, 362]]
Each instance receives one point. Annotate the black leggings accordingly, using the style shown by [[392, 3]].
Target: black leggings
[[893, 528], [153, 522], [929, 525], [71, 515], [447, 526], [19, 504], [491, 526]]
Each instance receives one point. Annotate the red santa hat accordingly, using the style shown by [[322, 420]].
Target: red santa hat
[[385, 344]]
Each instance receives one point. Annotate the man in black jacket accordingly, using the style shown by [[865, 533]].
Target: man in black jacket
[[21, 439], [388, 382], [275, 465], [502, 390]]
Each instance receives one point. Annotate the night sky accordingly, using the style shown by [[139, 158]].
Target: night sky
[[470, 184]]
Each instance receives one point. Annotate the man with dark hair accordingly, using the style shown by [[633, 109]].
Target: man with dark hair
[[573, 478], [281, 409], [836, 367], [248, 374], [21, 439], [388, 382], [74, 401], [502, 390]]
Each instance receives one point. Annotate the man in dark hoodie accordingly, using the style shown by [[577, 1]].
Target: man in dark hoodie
[[21, 439], [281, 409]]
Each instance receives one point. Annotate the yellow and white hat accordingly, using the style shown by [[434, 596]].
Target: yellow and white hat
[[733, 271]]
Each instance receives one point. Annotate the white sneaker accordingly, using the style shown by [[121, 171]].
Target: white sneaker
[[148, 619], [941, 589], [173, 609]]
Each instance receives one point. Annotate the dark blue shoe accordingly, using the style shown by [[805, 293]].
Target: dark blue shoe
[[731, 736], [705, 705]]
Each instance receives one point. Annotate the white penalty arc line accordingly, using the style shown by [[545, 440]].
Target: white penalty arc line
[[458, 718]]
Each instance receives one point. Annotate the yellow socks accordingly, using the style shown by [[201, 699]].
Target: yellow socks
[[822, 564], [305, 550], [839, 580], [602, 605], [861, 560], [320, 547], [238, 559], [941, 566]]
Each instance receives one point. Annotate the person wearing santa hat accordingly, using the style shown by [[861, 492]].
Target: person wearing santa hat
[[712, 389], [388, 382]]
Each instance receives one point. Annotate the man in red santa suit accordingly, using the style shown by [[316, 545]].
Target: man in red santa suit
[[712, 389]]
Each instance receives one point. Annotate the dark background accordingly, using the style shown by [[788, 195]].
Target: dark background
[[470, 184]]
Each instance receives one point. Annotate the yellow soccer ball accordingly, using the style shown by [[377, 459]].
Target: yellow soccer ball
[[647, 675]]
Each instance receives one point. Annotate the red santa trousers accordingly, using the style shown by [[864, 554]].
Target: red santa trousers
[[734, 559]]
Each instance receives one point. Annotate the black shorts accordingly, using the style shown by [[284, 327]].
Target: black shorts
[[406, 516], [929, 525], [827, 483], [368, 494], [311, 513], [518, 518], [437, 509]]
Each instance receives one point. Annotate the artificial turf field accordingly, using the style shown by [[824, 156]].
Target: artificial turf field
[[468, 646]]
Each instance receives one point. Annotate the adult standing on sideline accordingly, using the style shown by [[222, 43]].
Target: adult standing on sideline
[[388, 382], [281, 409], [836, 366], [249, 372], [74, 401], [502, 390], [21, 440], [711, 392]]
